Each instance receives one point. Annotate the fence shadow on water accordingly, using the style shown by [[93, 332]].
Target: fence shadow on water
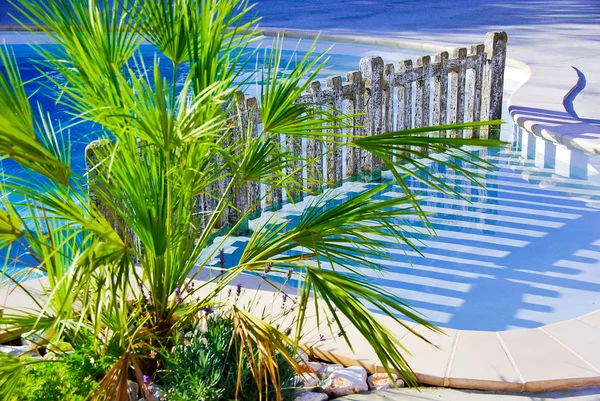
[[522, 253]]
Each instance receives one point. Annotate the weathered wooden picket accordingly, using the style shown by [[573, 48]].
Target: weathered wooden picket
[[464, 86]]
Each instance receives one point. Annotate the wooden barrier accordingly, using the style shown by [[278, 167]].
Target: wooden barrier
[[465, 86]]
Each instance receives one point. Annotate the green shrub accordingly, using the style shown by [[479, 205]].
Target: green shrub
[[204, 366], [71, 377]]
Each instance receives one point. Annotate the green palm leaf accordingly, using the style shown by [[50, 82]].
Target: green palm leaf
[[18, 134]]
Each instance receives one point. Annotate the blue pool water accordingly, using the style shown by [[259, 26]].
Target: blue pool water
[[342, 58]]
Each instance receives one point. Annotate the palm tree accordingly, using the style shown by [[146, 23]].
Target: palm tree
[[120, 244]]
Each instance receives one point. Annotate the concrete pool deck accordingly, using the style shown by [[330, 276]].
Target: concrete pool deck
[[434, 394]]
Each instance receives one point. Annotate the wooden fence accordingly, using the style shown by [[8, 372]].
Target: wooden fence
[[462, 86]]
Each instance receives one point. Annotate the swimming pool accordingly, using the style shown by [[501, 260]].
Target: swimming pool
[[522, 254]]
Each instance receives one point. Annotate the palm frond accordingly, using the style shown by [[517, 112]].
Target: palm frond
[[10, 229], [407, 152], [341, 233], [18, 135], [280, 110], [347, 294], [11, 370], [259, 342]]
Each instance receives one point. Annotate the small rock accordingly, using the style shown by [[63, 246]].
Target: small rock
[[16, 350], [381, 381], [133, 389], [302, 356], [312, 397], [313, 367], [310, 379], [19, 350], [329, 369], [157, 393], [33, 339], [346, 381]]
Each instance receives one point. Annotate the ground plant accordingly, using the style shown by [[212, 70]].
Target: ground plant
[[122, 245], [63, 375], [205, 365]]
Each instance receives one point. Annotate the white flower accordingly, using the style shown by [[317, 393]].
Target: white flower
[[203, 326]]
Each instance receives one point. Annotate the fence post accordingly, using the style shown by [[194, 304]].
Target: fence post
[[209, 202], [404, 108], [440, 90], [353, 158], [240, 199], [334, 152], [474, 101], [493, 81], [274, 196], [294, 147], [372, 70], [388, 98], [253, 187], [314, 148], [221, 186], [423, 95], [457, 84]]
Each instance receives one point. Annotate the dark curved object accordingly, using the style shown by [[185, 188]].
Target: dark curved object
[[568, 102]]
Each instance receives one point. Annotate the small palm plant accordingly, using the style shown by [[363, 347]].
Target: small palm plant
[[121, 246]]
